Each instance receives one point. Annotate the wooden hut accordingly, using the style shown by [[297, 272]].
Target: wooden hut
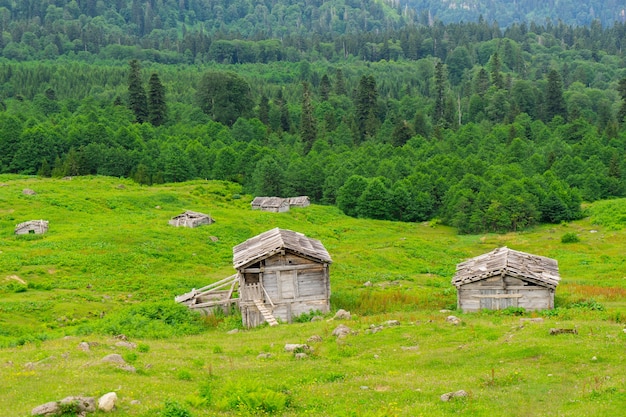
[[282, 274], [191, 219], [300, 201], [273, 204], [36, 227], [506, 278]]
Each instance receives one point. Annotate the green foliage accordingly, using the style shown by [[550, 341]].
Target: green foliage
[[253, 397], [570, 237], [174, 409], [150, 320]]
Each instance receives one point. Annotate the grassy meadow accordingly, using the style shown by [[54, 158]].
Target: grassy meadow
[[110, 264]]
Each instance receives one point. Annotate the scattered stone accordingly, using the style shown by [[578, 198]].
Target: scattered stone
[[213, 238], [342, 315], [594, 358], [121, 336], [128, 368], [563, 331], [107, 402], [158, 207], [135, 402], [364, 387], [444, 311], [121, 187], [374, 329], [83, 404], [368, 284], [301, 355], [453, 319], [376, 356], [68, 178], [314, 339], [84, 346], [456, 394], [128, 345], [532, 320], [409, 348], [391, 323], [233, 331], [48, 409], [114, 358], [297, 347], [264, 356], [29, 366], [28, 191], [341, 331], [316, 318], [593, 231]]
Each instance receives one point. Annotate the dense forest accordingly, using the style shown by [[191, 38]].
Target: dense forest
[[481, 128]]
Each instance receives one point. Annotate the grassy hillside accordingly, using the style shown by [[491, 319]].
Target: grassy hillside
[[111, 264]]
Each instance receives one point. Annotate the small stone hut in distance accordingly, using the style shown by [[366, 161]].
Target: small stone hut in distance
[[272, 204], [282, 274], [191, 219], [36, 227], [506, 278]]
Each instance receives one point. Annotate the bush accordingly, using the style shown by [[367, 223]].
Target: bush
[[570, 238], [254, 398], [174, 409], [158, 320]]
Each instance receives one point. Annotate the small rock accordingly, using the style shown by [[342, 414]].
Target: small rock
[[532, 320], [341, 331], [342, 315], [135, 402], [28, 191], [456, 394], [157, 207], [114, 358], [84, 346], [314, 339], [107, 402], [29, 366], [444, 311], [233, 331], [301, 355], [409, 348], [121, 337], [317, 318], [214, 238], [368, 284], [292, 347], [48, 409], [128, 368], [128, 345], [594, 359], [390, 323], [83, 404], [453, 319], [364, 387], [264, 356], [374, 329]]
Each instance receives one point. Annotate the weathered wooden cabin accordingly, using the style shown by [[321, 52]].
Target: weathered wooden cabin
[[191, 219], [36, 227], [300, 201], [282, 274], [272, 204], [506, 278]]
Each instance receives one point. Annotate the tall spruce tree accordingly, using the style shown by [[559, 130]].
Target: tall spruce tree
[[308, 128], [621, 88], [157, 107], [366, 106], [555, 103], [137, 100]]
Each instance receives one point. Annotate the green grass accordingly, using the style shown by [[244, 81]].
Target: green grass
[[111, 264]]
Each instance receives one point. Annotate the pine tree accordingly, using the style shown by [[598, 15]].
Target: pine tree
[[324, 87], [555, 103], [496, 75], [137, 100], [308, 128], [621, 88], [264, 110], [366, 106], [340, 84], [440, 91], [157, 107]]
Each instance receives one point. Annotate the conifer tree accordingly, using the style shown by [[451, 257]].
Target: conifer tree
[[137, 100], [324, 87], [621, 88], [264, 110], [555, 103], [308, 128], [157, 107], [340, 84]]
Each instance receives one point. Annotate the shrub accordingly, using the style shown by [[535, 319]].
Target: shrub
[[174, 409], [570, 237], [156, 320], [254, 397]]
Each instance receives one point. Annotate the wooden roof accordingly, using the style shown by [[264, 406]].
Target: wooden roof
[[191, 215], [269, 202], [275, 240], [537, 269]]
